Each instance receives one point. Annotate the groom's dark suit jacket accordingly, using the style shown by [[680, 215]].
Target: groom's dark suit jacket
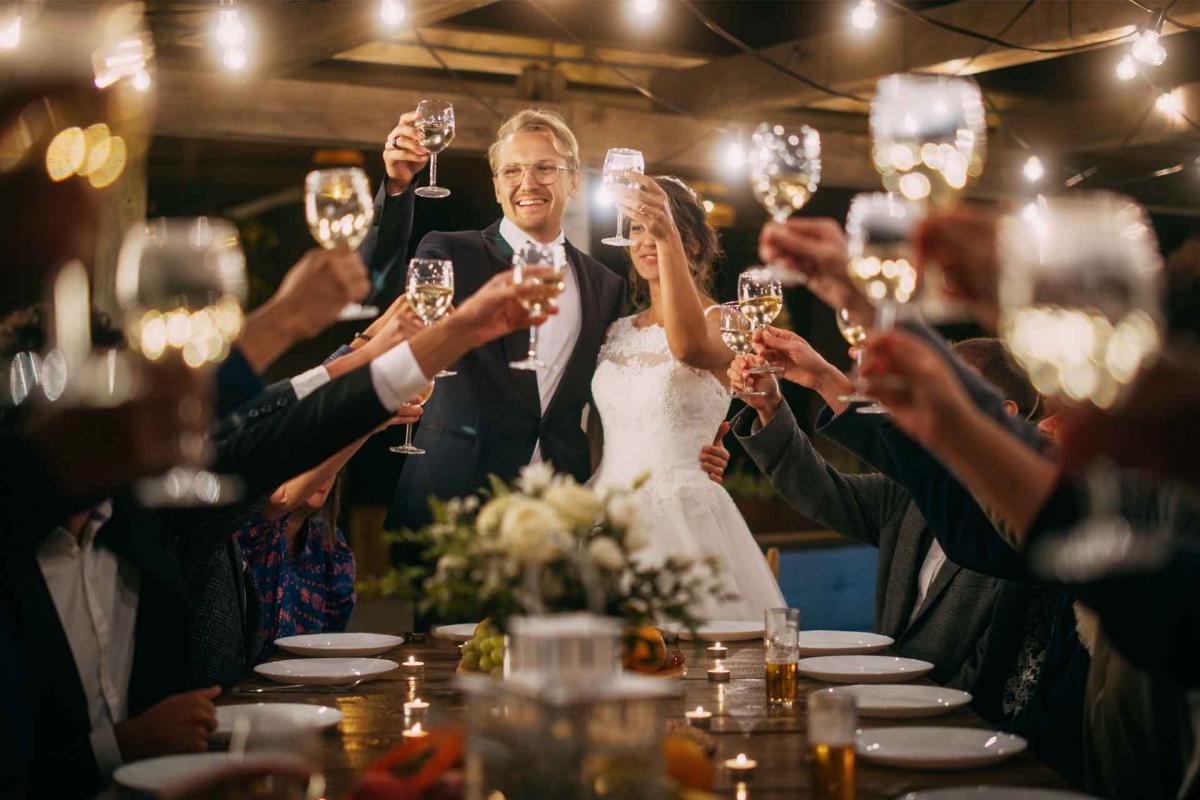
[[486, 419]]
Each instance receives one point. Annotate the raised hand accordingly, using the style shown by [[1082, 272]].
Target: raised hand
[[399, 310], [714, 458], [742, 380], [962, 242], [179, 724], [403, 155], [647, 206], [495, 310], [319, 285], [816, 248]]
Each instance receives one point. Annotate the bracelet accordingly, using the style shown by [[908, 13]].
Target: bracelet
[[364, 336]]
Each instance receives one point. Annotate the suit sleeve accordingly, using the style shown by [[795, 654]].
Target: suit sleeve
[[857, 506], [386, 245]]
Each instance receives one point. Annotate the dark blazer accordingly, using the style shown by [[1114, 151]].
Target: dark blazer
[[487, 419], [63, 764], [951, 627]]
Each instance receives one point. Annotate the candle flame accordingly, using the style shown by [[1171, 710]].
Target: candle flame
[[741, 757], [699, 709], [416, 728]]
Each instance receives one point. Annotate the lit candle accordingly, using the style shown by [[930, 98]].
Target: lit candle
[[742, 767], [718, 673], [412, 666], [717, 651], [415, 708], [699, 718], [417, 732]]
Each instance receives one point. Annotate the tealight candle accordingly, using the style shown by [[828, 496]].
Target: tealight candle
[[741, 766], [718, 673], [699, 718], [717, 651], [417, 732], [411, 665], [415, 708]]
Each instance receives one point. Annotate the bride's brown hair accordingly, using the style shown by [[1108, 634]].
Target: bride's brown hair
[[700, 240]]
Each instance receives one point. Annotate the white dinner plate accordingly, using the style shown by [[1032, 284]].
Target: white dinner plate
[[724, 630], [863, 669], [841, 643], [339, 645], [993, 793], [300, 715], [157, 776], [321, 671], [937, 748], [904, 701], [460, 632]]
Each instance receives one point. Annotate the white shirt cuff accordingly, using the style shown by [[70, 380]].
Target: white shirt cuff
[[397, 377], [308, 382], [105, 749]]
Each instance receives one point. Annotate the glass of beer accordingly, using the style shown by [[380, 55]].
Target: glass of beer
[[832, 718], [783, 655]]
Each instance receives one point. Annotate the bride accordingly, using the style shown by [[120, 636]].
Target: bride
[[660, 388]]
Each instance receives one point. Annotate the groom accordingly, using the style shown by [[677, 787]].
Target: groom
[[490, 419]]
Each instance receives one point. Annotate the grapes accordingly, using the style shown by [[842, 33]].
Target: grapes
[[484, 652], [470, 661]]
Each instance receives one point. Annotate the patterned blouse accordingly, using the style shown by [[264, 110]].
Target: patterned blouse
[[311, 593]]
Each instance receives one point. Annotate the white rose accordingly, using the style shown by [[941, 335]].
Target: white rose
[[490, 515], [535, 477], [578, 506], [451, 563], [623, 511], [528, 530], [605, 553]]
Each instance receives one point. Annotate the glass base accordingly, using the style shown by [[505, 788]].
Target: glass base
[[355, 311], [618, 241], [740, 395], [189, 487], [445, 373], [856, 397], [531, 363], [433, 191], [874, 408], [407, 450], [767, 371]]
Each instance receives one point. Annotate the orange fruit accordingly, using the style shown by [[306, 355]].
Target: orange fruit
[[687, 764], [645, 650]]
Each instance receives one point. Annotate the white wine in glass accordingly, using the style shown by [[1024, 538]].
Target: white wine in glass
[[785, 168], [435, 123], [430, 290], [408, 448], [738, 336], [879, 228], [617, 162], [543, 266], [855, 333], [180, 283], [339, 210], [760, 299]]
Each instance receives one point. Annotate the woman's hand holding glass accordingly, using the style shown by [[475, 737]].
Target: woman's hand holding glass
[[644, 202]]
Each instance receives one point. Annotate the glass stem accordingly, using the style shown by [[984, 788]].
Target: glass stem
[[408, 435], [433, 169], [620, 225], [860, 355], [885, 315], [533, 337]]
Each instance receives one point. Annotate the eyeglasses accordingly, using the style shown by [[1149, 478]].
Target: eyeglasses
[[544, 172]]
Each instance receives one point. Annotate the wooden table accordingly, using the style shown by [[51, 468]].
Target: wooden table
[[742, 723]]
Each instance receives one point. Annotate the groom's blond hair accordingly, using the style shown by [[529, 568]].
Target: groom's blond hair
[[537, 119]]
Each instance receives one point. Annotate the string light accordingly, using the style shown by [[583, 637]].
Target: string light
[[231, 31], [234, 58], [1127, 68], [733, 156], [645, 7], [1169, 103], [1148, 49], [864, 16], [10, 32], [391, 12], [601, 197], [1033, 169]]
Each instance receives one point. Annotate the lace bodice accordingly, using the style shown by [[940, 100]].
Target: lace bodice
[[657, 412]]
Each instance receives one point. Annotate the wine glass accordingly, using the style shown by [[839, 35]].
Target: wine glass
[[785, 168], [538, 265], [281, 757], [408, 448], [339, 210], [738, 336], [760, 299], [435, 122], [180, 283], [430, 283], [617, 162], [856, 334]]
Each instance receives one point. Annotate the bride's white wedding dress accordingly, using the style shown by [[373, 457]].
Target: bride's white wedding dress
[[657, 414]]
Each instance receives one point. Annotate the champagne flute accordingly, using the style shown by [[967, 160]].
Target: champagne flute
[[408, 448], [856, 334], [738, 336], [339, 210], [760, 298], [435, 122], [617, 162], [538, 265], [785, 169], [179, 283], [430, 288]]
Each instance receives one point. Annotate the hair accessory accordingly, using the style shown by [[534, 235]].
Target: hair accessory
[[680, 182]]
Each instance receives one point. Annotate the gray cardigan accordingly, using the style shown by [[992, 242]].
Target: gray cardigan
[[950, 629]]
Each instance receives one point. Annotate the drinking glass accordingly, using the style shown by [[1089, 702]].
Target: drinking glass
[[430, 289], [180, 283], [785, 168], [617, 162], [282, 757], [855, 334], [537, 265], [408, 448], [339, 210], [738, 336], [435, 123], [832, 718], [760, 298], [781, 665]]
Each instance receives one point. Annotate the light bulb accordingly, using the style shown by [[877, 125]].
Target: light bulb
[[10, 32], [1148, 50], [234, 58], [601, 196], [391, 12], [141, 80], [1033, 169], [230, 30], [645, 7], [1169, 103], [863, 16], [733, 156], [1127, 68]]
